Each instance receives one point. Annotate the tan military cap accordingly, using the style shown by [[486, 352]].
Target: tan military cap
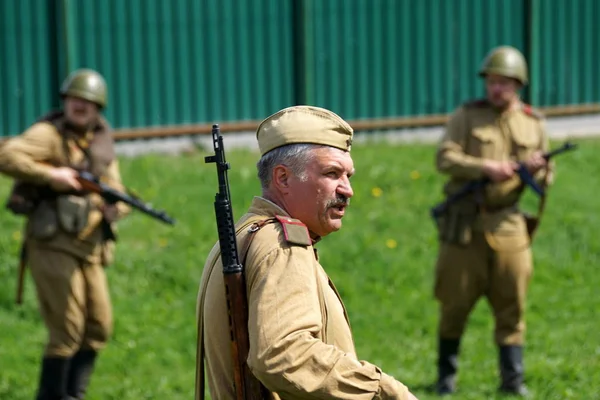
[[304, 124]]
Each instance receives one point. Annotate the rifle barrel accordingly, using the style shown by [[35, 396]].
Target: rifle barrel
[[110, 195]]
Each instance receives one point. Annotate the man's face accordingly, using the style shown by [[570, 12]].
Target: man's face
[[80, 112], [320, 200], [501, 90]]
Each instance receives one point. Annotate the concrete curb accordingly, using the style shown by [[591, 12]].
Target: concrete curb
[[559, 128]]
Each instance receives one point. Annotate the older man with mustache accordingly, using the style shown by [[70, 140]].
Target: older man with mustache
[[301, 346]]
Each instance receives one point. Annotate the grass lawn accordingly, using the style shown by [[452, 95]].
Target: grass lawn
[[381, 261]]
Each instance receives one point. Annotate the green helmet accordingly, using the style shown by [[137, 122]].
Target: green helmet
[[86, 84], [506, 61]]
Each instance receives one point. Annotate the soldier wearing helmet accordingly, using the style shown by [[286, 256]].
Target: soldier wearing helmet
[[66, 242], [484, 240]]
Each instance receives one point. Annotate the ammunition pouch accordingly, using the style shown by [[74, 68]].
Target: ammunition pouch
[[455, 226], [73, 212], [43, 221], [23, 198]]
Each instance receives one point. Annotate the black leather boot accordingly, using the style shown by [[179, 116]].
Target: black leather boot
[[53, 379], [82, 366], [511, 370], [447, 365]]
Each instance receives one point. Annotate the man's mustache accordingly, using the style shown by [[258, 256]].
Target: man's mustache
[[341, 201]]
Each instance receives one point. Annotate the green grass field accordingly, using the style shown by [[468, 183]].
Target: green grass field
[[381, 261]]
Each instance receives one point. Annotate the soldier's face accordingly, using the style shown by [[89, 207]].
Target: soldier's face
[[321, 198], [501, 91], [80, 112]]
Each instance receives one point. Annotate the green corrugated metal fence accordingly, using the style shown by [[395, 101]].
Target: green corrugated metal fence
[[183, 62], [566, 52], [27, 63], [382, 58]]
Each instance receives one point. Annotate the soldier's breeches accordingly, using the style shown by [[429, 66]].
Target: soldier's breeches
[[464, 274], [73, 299]]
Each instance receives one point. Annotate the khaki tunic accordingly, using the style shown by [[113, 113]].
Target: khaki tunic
[[476, 132], [67, 269], [491, 255], [25, 157], [301, 346]]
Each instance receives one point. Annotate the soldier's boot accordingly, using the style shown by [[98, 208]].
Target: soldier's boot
[[511, 370], [447, 365], [80, 373], [53, 379]]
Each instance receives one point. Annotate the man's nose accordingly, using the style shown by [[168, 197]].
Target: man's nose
[[345, 189]]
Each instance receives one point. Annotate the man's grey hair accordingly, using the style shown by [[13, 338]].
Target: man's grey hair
[[293, 156]]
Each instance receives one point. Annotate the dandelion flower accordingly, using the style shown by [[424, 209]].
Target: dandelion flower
[[376, 192], [391, 244]]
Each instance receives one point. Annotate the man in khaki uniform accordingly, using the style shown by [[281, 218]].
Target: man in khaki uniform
[[485, 245], [65, 239], [301, 346]]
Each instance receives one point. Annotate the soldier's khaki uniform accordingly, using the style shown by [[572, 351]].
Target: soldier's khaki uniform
[[62, 262], [485, 247], [65, 248], [484, 238], [301, 345]]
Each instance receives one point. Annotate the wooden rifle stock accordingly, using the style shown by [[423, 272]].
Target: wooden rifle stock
[[247, 387]]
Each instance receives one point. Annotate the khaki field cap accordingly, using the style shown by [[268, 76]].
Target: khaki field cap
[[303, 124]]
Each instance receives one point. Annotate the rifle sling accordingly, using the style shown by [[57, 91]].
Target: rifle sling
[[258, 222]]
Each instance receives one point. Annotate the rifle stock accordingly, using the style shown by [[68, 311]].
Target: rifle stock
[[246, 385]]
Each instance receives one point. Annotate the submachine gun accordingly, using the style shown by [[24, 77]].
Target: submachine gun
[[478, 184]]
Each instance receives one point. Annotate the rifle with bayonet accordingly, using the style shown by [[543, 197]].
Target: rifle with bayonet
[[246, 385], [478, 184]]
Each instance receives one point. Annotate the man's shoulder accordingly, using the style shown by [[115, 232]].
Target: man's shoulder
[[470, 108], [42, 132], [532, 112], [281, 231]]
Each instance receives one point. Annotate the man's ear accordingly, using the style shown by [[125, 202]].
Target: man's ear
[[281, 178]]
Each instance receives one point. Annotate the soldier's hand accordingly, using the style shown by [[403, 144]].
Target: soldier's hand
[[536, 162], [64, 179], [499, 171]]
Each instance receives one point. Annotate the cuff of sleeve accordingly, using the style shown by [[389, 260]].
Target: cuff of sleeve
[[40, 173], [391, 389], [474, 167]]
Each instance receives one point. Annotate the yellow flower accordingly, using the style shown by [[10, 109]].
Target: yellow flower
[[16, 236], [162, 242], [391, 244], [414, 175], [376, 192]]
